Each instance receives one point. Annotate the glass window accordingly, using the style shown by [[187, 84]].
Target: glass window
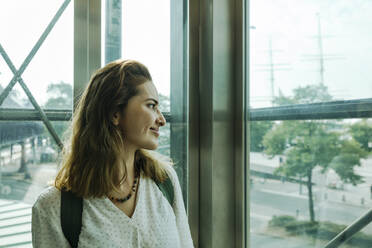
[[133, 30], [28, 152], [142, 30], [309, 43], [310, 174]]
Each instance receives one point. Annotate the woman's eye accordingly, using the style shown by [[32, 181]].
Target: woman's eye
[[152, 106]]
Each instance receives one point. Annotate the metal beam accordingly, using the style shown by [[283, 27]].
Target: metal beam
[[361, 108], [349, 232], [10, 114]]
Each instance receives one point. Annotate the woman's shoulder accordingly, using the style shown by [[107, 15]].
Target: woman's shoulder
[[49, 201], [171, 172]]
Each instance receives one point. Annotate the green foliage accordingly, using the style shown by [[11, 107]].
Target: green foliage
[[361, 131], [349, 156], [281, 221], [258, 129], [320, 230], [302, 95], [306, 144], [59, 96], [302, 227]]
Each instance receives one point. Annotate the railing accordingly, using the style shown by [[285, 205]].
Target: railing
[[355, 227], [361, 108], [18, 114]]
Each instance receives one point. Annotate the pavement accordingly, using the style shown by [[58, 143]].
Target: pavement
[[17, 196]]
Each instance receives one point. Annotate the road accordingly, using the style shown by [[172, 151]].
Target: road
[[269, 199]]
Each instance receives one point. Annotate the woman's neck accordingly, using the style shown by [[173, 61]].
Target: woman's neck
[[128, 162]]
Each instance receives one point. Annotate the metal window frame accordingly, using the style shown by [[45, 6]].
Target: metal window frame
[[87, 43], [348, 109], [18, 73]]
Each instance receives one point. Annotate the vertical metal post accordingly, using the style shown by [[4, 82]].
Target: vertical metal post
[[194, 121], [222, 127], [87, 42], [178, 94], [113, 30]]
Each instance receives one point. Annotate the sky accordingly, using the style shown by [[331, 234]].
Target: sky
[[291, 25], [346, 26], [146, 37]]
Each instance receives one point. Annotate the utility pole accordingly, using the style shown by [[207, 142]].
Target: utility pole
[[321, 57], [271, 67]]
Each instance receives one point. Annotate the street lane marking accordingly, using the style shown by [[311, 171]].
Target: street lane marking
[[282, 193]]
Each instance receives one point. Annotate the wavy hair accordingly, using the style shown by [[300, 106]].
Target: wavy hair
[[94, 148]]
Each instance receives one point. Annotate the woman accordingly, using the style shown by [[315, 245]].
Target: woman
[[109, 163]]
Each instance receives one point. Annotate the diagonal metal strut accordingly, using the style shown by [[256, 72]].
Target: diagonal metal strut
[[43, 116], [17, 74]]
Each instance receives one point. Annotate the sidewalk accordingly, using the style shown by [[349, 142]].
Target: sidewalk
[[13, 184], [351, 195]]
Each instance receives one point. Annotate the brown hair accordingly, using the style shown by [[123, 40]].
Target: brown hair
[[91, 157]]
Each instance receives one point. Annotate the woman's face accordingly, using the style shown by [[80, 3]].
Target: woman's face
[[141, 119]]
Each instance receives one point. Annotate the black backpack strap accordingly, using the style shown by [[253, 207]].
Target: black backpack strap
[[166, 188], [71, 213]]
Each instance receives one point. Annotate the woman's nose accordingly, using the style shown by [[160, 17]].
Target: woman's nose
[[161, 120]]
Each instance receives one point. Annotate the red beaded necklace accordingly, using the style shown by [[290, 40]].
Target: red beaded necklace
[[134, 187]]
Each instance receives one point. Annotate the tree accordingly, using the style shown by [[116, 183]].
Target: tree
[[59, 96], [258, 129], [310, 143], [361, 131]]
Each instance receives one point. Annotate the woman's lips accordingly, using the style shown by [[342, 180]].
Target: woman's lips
[[155, 132]]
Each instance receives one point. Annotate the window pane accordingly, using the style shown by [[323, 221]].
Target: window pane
[[144, 36], [307, 43], [28, 153], [309, 179], [53, 61], [141, 30], [28, 160], [285, 156]]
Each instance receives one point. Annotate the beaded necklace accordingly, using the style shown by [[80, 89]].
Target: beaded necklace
[[134, 187]]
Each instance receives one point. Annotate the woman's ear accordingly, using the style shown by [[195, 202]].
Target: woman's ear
[[115, 118]]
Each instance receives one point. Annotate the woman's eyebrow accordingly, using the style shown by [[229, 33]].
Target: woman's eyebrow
[[156, 102]]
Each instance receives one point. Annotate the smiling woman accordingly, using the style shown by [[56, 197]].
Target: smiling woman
[[108, 162]]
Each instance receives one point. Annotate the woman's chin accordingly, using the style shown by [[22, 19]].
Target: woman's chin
[[151, 146]]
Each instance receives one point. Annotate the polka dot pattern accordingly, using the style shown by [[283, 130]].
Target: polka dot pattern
[[154, 223]]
